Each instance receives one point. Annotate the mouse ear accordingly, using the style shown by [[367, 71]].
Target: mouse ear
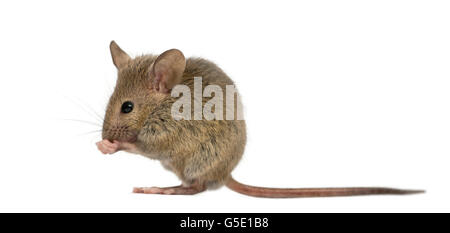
[[120, 58], [167, 70]]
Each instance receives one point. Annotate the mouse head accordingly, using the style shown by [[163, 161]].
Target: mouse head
[[142, 83]]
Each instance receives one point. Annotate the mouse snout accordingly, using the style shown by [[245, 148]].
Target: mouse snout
[[119, 133]]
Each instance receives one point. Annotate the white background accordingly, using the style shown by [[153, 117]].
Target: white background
[[336, 93]]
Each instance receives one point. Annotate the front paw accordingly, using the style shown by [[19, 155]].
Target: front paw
[[107, 147]]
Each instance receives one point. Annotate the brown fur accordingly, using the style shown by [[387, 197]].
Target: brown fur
[[195, 150]]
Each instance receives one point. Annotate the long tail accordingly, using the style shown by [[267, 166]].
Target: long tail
[[312, 192]]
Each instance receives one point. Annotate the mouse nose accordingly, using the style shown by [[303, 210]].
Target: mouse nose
[[120, 133], [105, 134], [113, 132]]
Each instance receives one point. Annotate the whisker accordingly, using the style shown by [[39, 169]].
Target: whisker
[[89, 111], [86, 122], [90, 132], [92, 110], [83, 121]]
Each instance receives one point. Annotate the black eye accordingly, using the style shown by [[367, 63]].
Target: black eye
[[127, 107]]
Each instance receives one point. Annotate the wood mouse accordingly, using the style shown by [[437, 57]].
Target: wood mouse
[[202, 153]]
